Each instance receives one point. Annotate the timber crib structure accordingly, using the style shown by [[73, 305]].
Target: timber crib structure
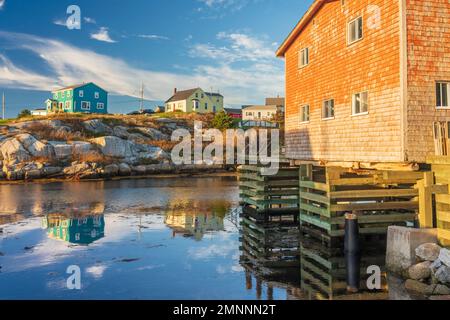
[[379, 198]]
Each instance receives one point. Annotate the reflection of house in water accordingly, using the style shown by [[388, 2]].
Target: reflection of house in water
[[82, 230], [195, 219]]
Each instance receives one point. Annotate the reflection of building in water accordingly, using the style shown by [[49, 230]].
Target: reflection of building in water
[[328, 274], [270, 254], [196, 218], [83, 230]]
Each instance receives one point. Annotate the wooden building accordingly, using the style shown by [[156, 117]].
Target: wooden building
[[365, 80]]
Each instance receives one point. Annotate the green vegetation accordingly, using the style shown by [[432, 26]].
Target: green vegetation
[[24, 113], [222, 121], [6, 121]]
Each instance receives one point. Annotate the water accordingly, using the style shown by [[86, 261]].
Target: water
[[167, 238], [174, 238]]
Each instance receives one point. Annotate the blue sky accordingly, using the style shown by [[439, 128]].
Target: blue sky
[[227, 45]]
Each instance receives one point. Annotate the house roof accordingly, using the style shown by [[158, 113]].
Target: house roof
[[313, 9], [260, 108], [231, 110], [183, 95], [75, 86]]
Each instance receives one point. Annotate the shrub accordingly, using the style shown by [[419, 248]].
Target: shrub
[[24, 113], [222, 121]]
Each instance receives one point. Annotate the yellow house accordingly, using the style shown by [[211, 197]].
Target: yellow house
[[195, 100]]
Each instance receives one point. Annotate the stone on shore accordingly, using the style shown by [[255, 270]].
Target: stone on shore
[[111, 170], [51, 171], [140, 170], [124, 170], [444, 256], [420, 271], [428, 252], [97, 126], [116, 147], [35, 147], [443, 274], [419, 287], [441, 290], [76, 169], [63, 151], [12, 150]]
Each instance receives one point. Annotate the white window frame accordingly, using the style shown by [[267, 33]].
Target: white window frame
[[324, 105], [100, 106], [302, 113], [354, 101], [97, 95], [303, 57], [81, 93], [443, 84], [88, 103], [68, 94], [67, 105], [63, 94], [351, 27]]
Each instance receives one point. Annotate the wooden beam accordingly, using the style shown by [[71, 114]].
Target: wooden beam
[[426, 200]]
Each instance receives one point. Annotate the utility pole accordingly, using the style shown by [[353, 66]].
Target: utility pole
[[3, 106], [142, 97]]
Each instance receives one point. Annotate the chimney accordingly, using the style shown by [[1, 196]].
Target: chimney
[[174, 91]]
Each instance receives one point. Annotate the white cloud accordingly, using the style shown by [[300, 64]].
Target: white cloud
[[96, 271], [103, 35], [89, 20], [233, 5], [242, 47], [70, 64], [2, 4], [152, 37], [60, 22]]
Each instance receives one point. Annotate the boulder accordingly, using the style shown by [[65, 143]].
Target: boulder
[[111, 170], [153, 153], [76, 169], [428, 252], [443, 274], [154, 134], [63, 151], [441, 290], [440, 298], [115, 147], [33, 174], [124, 170], [420, 271], [51, 171], [121, 132], [419, 287], [140, 170], [159, 168], [435, 265], [97, 126], [12, 150], [444, 256], [35, 147], [81, 147], [401, 246]]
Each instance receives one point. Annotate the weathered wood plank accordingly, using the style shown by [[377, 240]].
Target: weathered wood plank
[[383, 193], [314, 185]]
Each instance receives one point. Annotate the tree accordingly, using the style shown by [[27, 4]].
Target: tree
[[222, 121], [24, 113]]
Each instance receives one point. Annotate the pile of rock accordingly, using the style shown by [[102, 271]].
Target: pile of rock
[[431, 275]]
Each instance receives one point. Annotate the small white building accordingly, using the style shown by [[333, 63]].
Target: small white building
[[39, 112], [260, 113]]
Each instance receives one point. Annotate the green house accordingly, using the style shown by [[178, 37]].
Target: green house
[[81, 98]]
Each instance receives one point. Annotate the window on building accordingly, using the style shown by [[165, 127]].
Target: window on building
[[97, 95], [303, 59], [63, 94], [304, 113], [68, 94], [214, 109], [206, 106], [100, 106], [328, 109], [67, 106], [442, 91], [360, 103], [355, 30], [203, 95], [55, 96], [85, 105], [81, 93]]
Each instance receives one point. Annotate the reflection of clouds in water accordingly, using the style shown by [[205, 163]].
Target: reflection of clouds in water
[[96, 271], [213, 251], [151, 267], [221, 269]]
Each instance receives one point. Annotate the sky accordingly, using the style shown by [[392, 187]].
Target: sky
[[226, 46]]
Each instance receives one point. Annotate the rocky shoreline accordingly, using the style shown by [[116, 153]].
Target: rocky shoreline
[[77, 148]]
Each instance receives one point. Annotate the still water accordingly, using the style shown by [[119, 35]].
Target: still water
[[167, 238]]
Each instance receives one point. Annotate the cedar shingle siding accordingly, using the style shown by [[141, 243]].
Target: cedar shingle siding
[[398, 126]]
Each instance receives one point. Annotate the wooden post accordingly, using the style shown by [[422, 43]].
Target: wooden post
[[426, 200]]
